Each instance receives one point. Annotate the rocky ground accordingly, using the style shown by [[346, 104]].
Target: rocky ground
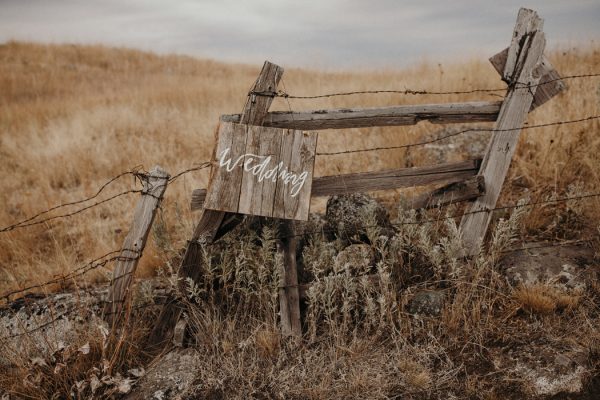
[[50, 325], [553, 369]]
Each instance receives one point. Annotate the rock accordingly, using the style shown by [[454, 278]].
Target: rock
[[565, 267], [349, 216], [316, 223], [357, 258], [464, 142], [28, 322], [171, 377], [427, 302], [546, 371]]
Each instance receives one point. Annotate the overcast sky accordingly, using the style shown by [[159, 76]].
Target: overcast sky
[[318, 33]]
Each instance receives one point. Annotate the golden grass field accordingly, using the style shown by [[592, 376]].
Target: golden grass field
[[72, 117]]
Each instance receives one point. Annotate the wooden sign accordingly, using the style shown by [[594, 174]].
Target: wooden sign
[[262, 171]]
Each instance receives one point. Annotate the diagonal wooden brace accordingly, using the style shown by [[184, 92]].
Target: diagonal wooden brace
[[214, 224], [524, 68]]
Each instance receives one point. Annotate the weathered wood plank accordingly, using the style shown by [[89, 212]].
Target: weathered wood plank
[[262, 171], [224, 193], [456, 192], [298, 206], [525, 56], [292, 197], [257, 107], [380, 180], [209, 226], [545, 91], [394, 179], [528, 22], [135, 242], [257, 197], [381, 116], [289, 298], [282, 189]]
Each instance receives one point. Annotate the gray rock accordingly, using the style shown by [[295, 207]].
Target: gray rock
[[349, 216], [565, 267], [357, 258], [464, 142], [546, 371], [171, 377], [28, 322], [427, 302]]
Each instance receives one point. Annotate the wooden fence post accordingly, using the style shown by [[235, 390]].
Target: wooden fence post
[[520, 71], [289, 299], [211, 222], [134, 243]]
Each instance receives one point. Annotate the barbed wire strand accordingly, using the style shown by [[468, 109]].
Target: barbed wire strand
[[201, 166], [134, 172], [449, 217], [522, 248], [70, 214], [426, 142], [143, 176], [284, 94], [82, 270]]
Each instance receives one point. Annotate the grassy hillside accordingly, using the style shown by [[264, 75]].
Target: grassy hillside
[[72, 117]]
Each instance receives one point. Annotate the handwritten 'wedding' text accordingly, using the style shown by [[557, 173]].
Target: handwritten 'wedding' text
[[259, 166]]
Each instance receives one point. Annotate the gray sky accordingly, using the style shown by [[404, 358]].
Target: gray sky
[[313, 33]]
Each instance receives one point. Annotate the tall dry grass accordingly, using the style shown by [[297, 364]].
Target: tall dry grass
[[71, 117]]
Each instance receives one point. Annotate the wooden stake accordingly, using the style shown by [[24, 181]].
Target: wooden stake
[[212, 222], [524, 57], [143, 217], [289, 299]]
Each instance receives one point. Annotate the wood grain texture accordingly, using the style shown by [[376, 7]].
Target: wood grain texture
[[545, 91], [381, 116], [257, 107], [289, 298], [257, 198], [469, 189], [528, 23], [394, 179], [380, 180], [210, 225], [224, 188], [262, 171], [298, 151], [143, 216], [298, 207], [525, 56]]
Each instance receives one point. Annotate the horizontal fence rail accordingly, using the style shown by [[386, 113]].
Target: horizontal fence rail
[[382, 116], [380, 180]]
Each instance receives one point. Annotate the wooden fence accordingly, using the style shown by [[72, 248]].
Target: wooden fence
[[531, 82]]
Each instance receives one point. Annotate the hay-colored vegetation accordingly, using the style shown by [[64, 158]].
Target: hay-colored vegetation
[[71, 117]]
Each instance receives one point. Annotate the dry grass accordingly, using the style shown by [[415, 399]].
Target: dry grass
[[71, 117], [545, 299]]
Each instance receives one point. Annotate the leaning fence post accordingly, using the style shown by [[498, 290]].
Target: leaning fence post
[[133, 246], [521, 71], [207, 229]]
